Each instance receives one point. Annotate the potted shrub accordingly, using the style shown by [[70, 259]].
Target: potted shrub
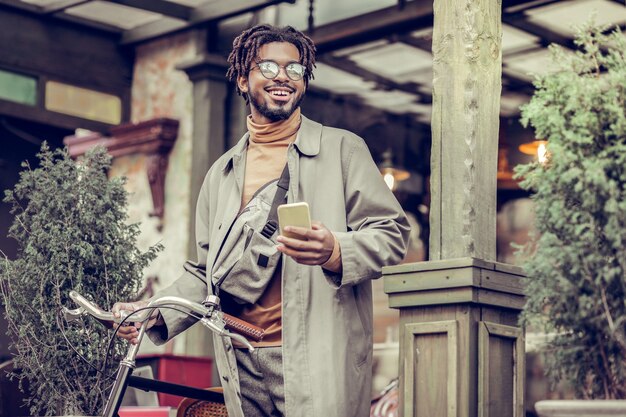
[[72, 233], [576, 263]]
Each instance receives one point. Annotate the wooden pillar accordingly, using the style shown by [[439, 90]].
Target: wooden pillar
[[461, 350], [467, 70]]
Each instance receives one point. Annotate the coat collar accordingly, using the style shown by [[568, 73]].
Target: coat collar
[[309, 137], [308, 142]]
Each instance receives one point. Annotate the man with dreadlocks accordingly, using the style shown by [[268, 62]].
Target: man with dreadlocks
[[316, 310]]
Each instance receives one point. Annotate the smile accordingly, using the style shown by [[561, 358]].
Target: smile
[[279, 94]]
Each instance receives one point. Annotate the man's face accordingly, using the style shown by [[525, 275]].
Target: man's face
[[275, 99]]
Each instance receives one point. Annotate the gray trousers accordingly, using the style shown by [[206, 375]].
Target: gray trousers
[[261, 382]]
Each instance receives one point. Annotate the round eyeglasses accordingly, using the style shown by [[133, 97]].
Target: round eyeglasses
[[271, 69]]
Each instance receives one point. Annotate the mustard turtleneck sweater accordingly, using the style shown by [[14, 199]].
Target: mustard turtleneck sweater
[[265, 159], [267, 152]]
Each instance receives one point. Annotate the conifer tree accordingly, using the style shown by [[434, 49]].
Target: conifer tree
[[577, 262], [72, 234]]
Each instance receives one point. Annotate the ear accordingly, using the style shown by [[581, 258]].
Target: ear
[[242, 83]]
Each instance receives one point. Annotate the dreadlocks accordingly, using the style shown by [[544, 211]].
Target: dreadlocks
[[246, 48]]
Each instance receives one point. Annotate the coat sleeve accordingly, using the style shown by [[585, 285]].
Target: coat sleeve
[[378, 230], [191, 285]]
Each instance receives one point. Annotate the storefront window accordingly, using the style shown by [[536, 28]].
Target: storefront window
[[81, 102], [18, 88]]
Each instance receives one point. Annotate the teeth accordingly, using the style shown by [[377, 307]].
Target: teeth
[[279, 93]]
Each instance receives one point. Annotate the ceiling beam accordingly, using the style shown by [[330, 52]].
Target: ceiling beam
[[546, 35], [61, 5], [384, 83], [88, 23], [516, 83], [21, 5], [374, 25], [166, 8], [217, 10], [519, 6], [212, 12], [152, 30]]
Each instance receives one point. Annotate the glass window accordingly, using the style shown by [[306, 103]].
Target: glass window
[[81, 102], [18, 88]]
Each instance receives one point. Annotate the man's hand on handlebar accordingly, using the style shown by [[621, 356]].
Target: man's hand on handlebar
[[130, 331]]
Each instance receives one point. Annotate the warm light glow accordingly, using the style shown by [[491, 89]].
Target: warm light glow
[[536, 148], [391, 174], [542, 154], [389, 180]]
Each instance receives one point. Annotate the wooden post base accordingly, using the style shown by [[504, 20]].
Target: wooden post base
[[461, 348]]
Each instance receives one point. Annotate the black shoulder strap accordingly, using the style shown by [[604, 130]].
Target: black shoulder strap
[[279, 198]]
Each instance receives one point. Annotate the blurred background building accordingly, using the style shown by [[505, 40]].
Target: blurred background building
[[147, 79]]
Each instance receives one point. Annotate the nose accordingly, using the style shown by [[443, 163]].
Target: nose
[[282, 75]]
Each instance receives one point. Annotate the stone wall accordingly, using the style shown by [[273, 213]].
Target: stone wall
[[160, 90]]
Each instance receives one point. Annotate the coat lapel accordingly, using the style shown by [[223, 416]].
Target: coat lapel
[[229, 196]]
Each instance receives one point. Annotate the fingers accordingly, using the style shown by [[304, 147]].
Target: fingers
[[312, 248], [305, 234], [126, 330], [130, 333], [303, 257]]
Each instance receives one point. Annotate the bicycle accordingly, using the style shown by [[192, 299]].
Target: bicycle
[[208, 313]]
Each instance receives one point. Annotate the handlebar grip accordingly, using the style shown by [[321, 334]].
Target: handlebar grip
[[250, 331]]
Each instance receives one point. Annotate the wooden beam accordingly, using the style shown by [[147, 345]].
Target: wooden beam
[[166, 25], [546, 35], [419, 43], [217, 10], [198, 16], [61, 5], [88, 23], [516, 6], [347, 65], [91, 59], [372, 26], [515, 83], [164, 7], [39, 115], [22, 6]]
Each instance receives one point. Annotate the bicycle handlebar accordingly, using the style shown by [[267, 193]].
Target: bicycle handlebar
[[211, 318]]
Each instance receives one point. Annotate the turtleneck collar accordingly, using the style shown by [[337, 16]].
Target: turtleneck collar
[[272, 132]]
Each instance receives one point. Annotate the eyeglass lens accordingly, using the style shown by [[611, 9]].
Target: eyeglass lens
[[271, 69]]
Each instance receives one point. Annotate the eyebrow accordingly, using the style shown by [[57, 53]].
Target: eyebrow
[[272, 60]]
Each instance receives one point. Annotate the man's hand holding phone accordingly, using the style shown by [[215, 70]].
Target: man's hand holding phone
[[306, 245], [311, 247]]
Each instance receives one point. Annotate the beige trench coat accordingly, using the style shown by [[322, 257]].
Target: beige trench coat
[[327, 318]]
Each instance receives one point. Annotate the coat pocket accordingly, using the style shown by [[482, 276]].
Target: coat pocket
[[360, 342]]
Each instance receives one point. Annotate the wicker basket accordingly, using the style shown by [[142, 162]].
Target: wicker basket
[[190, 407]]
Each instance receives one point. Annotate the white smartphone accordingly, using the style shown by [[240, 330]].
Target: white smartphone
[[293, 214]]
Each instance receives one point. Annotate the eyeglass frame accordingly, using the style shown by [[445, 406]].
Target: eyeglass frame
[[284, 67]]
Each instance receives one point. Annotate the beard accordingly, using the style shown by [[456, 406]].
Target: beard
[[280, 112]]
